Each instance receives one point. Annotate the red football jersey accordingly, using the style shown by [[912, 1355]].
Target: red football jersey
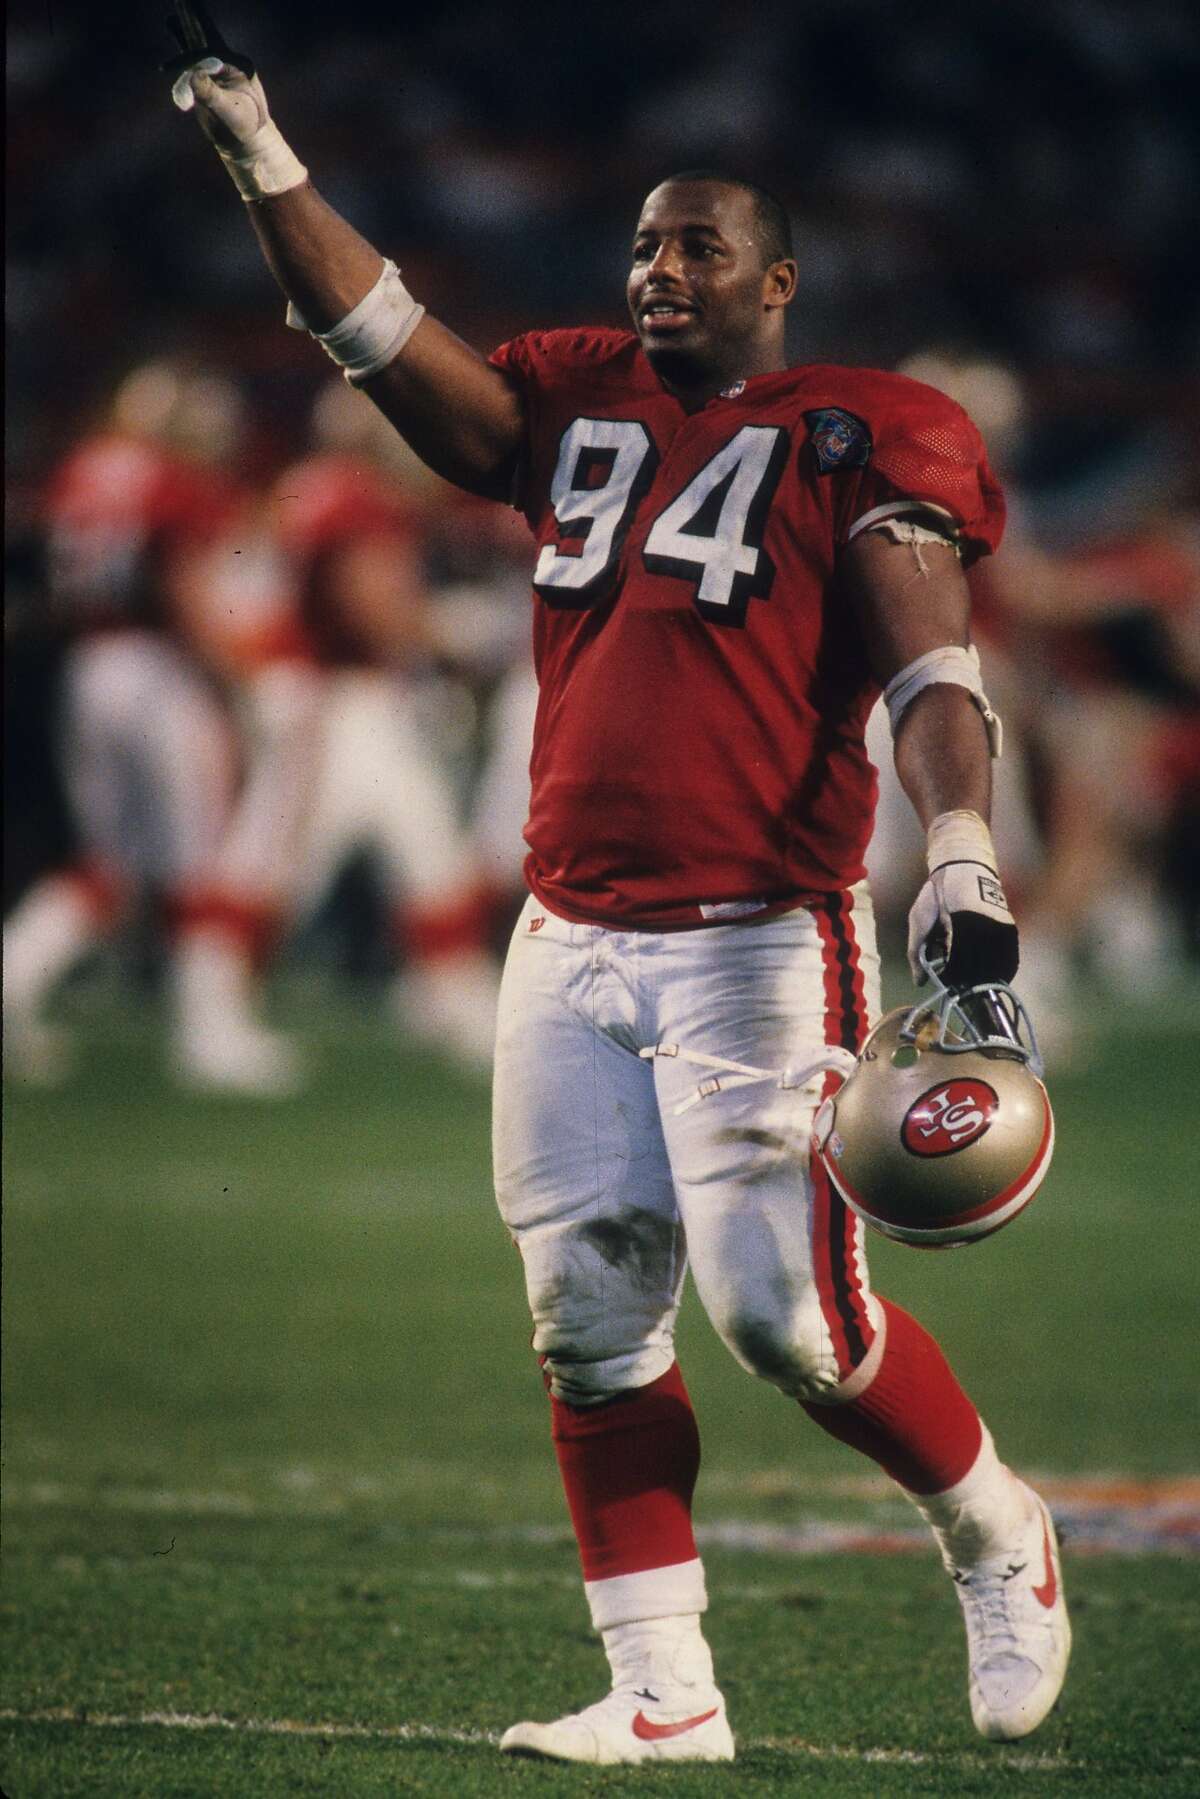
[[698, 753], [115, 511], [323, 505]]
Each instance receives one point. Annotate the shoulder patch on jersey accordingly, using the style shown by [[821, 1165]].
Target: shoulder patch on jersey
[[840, 439]]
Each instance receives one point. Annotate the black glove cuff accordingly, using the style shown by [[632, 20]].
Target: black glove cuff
[[982, 950]]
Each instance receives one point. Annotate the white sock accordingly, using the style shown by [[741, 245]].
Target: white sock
[[660, 1652], [48, 931], [213, 986], [675, 1591], [981, 1515]]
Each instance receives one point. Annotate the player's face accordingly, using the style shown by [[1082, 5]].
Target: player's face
[[699, 294]]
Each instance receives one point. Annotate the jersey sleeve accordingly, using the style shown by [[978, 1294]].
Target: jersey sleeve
[[517, 360], [925, 450], [548, 359], [555, 372]]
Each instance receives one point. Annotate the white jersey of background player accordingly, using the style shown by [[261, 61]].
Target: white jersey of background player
[[149, 758]]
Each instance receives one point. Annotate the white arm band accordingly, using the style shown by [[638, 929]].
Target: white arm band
[[896, 514], [950, 665], [374, 332]]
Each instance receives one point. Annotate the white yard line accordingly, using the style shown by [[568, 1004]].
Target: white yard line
[[438, 1733], [274, 1727]]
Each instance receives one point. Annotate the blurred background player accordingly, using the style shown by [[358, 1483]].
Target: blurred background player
[[329, 620], [1104, 603], [501, 801], [1089, 634], [149, 758], [481, 613]]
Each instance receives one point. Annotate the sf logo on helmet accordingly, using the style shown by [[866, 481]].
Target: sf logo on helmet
[[948, 1117]]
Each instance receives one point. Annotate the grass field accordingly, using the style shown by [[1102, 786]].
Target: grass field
[[281, 1514]]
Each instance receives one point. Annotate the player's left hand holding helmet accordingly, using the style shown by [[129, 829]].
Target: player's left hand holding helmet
[[943, 1132], [961, 916]]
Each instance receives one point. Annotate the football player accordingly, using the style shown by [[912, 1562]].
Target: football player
[[149, 748], [732, 558], [339, 755]]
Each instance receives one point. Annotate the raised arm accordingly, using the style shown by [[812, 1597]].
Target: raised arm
[[459, 413], [914, 608]]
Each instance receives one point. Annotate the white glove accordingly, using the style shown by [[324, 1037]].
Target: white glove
[[232, 109], [961, 912]]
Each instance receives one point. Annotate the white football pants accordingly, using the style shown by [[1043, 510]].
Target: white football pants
[[609, 1191], [339, 760], [148, 756]]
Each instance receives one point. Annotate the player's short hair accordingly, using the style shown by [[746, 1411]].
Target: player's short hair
[[771, 219]]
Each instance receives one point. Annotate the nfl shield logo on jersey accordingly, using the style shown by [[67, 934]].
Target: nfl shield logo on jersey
[[839, 438]]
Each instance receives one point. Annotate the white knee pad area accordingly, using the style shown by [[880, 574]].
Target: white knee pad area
[[791, 1347], [614, 1173], [592, 1383]]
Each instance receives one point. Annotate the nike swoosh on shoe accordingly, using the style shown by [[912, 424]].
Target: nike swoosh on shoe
[[1047, 1593], [650, 1732]]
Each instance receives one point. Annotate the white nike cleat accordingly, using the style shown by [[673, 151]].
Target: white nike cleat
[[36, 1054], [219, 1045], [450, 1004], [632, 1725], [250, 1062], [1018, 1632]]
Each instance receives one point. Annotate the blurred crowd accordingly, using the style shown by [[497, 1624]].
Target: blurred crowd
[[251, 642]]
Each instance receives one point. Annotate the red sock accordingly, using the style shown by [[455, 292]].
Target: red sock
[[251, 925], [914, 1419], [429, 933], [101, 891], [629, 1469]]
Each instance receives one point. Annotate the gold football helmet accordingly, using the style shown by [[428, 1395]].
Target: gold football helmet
[[943, 1132]]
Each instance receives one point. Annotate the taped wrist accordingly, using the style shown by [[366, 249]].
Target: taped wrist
[[374, 332], [960, 836], [951, 665], [965, 904], [267, 165]]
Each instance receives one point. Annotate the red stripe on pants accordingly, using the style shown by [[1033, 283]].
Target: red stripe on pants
[[629, 1469], [835, 1235]]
